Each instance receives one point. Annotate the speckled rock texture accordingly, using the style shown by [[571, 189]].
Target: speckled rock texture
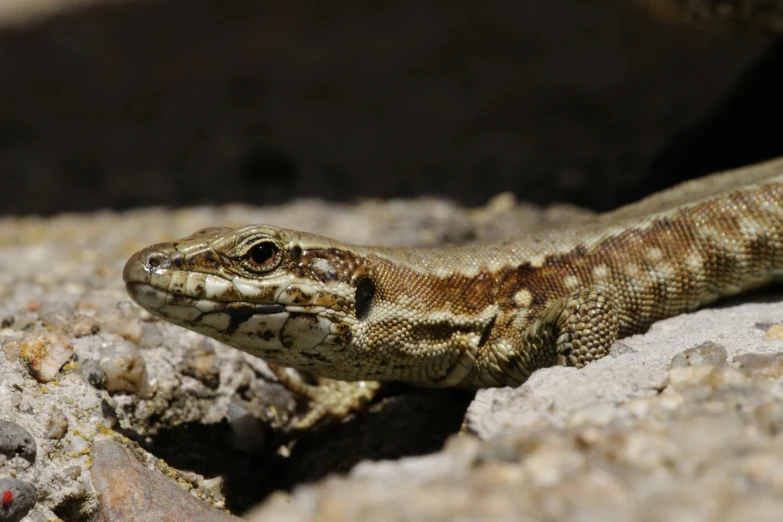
[[682, 421], [109, 414], [81, 363]]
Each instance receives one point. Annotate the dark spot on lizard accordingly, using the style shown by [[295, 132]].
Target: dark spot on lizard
[[266, 335], [365, 291], [487, 332]]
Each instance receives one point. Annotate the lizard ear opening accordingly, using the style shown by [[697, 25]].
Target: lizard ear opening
[[365, 292]]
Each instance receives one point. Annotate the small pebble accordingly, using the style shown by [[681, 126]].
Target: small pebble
[[45, 353], [57, 425], [24, 319], [762, 364], [214, 485], [774, 333], [77, 445], [91, 370], [83, 326], [15, 440], [16, 499], [124, 368], [501, 203], [62, 317], [15, 399], [769, 417], [706, 354], [121, 322], [202, 365], [550, 465], [72, 472]]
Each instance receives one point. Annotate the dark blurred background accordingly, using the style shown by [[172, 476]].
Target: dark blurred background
[[182, 102]]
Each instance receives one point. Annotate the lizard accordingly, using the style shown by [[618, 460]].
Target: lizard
[[474, 316]]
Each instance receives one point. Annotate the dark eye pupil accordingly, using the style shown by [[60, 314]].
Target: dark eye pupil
[[263, 254]]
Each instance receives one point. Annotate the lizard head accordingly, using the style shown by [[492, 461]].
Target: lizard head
[[315, 304], [284, 296]]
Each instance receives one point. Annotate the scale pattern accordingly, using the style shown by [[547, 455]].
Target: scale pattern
[[476, 316]]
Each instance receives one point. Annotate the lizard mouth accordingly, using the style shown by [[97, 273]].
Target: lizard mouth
[[260, 329], [152, 299]]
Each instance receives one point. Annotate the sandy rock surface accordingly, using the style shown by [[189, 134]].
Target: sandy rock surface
[[680, 421], [81, 363]]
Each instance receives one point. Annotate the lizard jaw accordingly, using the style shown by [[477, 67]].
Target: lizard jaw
[[270, 319]]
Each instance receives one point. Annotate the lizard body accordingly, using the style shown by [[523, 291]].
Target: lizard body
[[473, 316]]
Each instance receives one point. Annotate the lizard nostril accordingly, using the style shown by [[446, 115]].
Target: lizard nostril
[[156, 260]]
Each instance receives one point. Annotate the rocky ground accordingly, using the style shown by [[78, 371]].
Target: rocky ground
[[109, 414]]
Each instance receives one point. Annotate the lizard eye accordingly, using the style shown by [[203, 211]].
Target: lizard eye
[[263, 256]]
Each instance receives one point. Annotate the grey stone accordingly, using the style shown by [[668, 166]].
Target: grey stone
[[16, 499], [129, 491], [15, 440]]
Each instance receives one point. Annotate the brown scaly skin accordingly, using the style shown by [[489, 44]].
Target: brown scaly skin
[[476, 316]]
